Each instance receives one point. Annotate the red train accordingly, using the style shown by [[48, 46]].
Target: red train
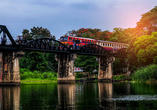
[[76, 42]]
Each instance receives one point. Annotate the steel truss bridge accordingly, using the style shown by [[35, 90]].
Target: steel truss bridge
[[54, 46]]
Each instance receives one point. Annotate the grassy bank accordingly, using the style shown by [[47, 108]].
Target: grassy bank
[[28, 76], [145, 74]]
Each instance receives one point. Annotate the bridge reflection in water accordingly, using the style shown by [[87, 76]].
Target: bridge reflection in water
[[10, 97], [66, 96], [87, 95], [63, 96]]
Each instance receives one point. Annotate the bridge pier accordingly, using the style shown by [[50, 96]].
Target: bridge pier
[[9, 68], [105, 71], [66, 67]]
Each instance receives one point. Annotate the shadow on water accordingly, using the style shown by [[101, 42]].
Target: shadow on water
[[10, 97], [82, 96]]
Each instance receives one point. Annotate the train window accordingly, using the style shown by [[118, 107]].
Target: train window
[[65, 38], [70, 38], [62, 38]]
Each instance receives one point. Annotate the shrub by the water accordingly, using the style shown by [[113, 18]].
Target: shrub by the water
[[145, 73], [80, 75], [26, 74], [121, 77]]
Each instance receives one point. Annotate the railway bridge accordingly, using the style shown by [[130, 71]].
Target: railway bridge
[[12, 52]]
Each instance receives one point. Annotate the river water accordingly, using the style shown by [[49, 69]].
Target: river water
[[80, 96]]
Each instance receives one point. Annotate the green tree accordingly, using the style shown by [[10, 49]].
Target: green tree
[[33, 61], [38, 60], [86, 63], [52, 63], [37, 32], [148, 21], [145, 49]]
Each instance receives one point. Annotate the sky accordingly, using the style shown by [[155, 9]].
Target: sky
[[61, 16]]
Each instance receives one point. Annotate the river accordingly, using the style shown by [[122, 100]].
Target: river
[[79, 96]]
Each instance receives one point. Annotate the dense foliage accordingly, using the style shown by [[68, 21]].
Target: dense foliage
[[148, 21], [38, 60], [141, 50], [27, 74], [145, 73], [87, 63]]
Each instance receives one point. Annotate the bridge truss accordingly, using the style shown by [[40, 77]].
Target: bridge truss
[[51, 45]]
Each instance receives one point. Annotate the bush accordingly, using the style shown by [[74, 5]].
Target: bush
[[22, 70], [80, 75], [145, 73], [36, 74], [26, 74], [121, 77]]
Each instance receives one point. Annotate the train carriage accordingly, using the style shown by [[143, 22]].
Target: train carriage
[[80, 41]]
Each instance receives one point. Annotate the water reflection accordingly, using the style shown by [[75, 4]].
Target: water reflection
[[105, 96], [10, 98], [66, 96], [82, 96]]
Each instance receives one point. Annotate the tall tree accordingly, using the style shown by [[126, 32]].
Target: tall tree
[[38, 60], [91, 33], [148, 21], [145, 49], [37, 32], [87, 63]]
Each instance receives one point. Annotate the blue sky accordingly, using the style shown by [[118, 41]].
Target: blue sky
[[60, 16]]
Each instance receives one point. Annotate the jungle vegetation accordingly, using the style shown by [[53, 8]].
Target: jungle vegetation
[[142, 49]]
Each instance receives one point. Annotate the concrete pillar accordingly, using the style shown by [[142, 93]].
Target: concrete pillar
[[16, 66], [105, 71], [7, 75], [66, 67], [10, 71]]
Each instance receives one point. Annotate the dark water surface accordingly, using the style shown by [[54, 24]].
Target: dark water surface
[[82, 96]]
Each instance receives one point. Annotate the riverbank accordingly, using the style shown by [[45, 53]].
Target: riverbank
[[36, 81], [28, 76]]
